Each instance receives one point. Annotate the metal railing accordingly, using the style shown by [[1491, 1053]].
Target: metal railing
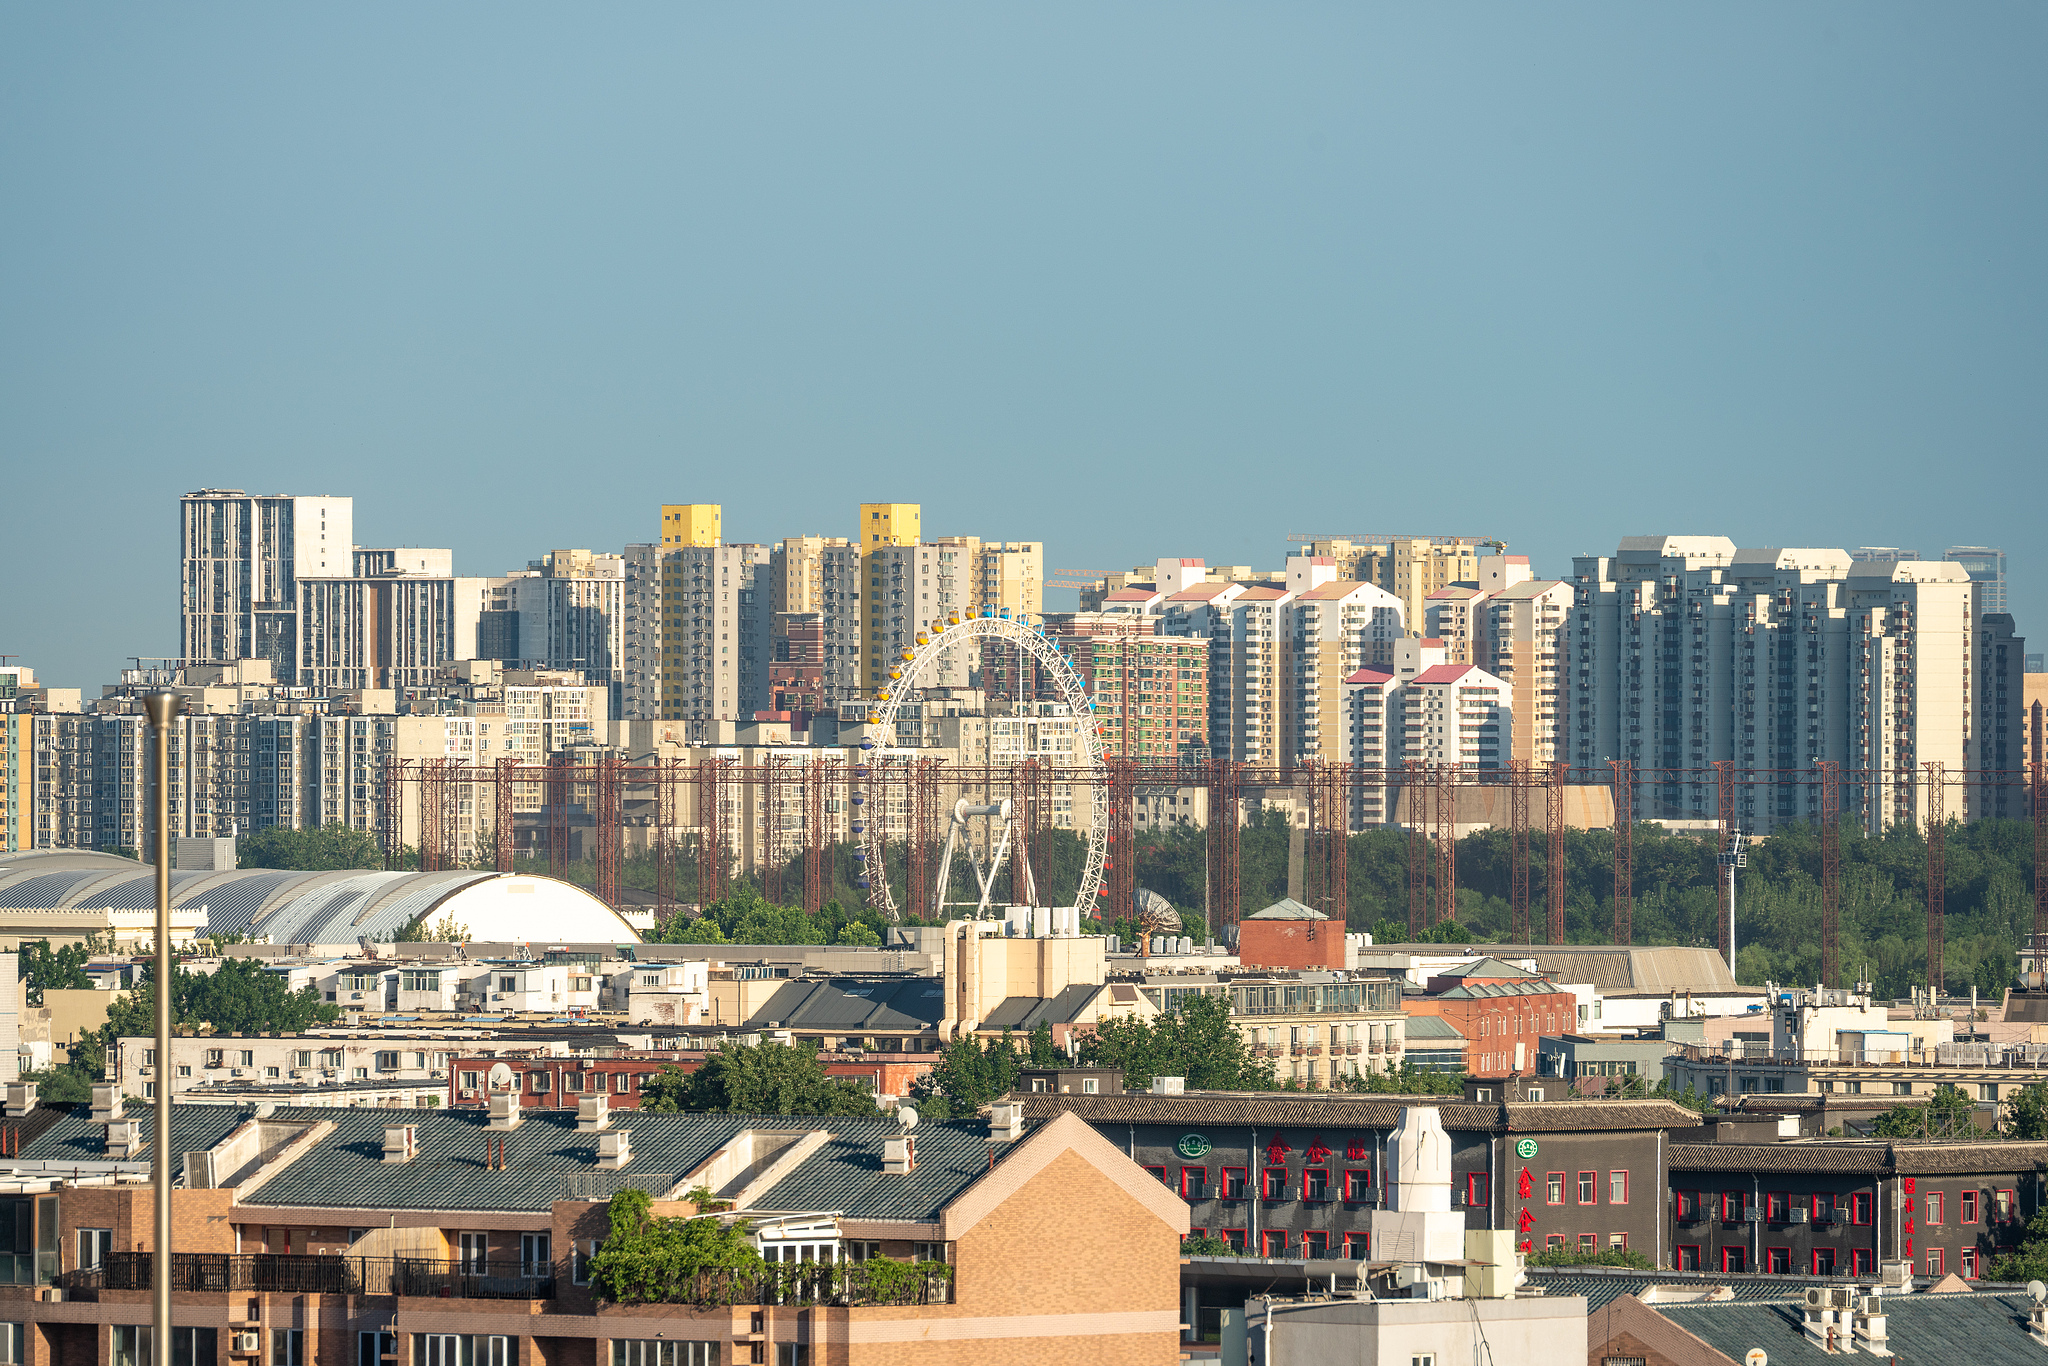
[[845, 1285], [283, 1273]]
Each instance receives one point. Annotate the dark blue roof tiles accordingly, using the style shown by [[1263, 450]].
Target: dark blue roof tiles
[[73, 1137]]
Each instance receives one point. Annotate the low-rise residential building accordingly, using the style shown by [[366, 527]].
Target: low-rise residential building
[[1504, 1022]]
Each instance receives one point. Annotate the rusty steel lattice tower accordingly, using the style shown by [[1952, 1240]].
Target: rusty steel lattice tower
[[1830, 873], [1553, 866], [1624, 851], [1413, 797], [1724, 790], [1937, 875], [667, 818], [1446, 842], [1222, 849], [501, 813], [1518, 849]]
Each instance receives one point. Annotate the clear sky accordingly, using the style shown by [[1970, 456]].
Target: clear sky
[[1133, 280]]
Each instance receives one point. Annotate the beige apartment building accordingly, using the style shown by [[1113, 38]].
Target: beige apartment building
[[1522, 643], [1409, 567], [797, 570], [716, 611], [1336, 627]]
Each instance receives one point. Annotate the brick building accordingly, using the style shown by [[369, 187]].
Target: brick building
[[1502, 1012], [1288, 934]]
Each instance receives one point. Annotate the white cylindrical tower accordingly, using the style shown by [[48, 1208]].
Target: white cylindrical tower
[[1422, 1162]]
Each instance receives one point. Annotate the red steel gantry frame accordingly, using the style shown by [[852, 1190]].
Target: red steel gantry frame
[[1624, 851]]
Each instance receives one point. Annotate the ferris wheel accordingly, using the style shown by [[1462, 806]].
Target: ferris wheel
[[870, 817]]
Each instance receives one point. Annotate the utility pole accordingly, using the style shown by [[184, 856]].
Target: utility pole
[[1730, 859]]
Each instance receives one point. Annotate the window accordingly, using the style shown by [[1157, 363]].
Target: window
[[1968, 1201], [1860, 1207], [535, 1256], [1778, 1261], [471, 1250], [1937, 1208], [387, 1061], [412, 980], [10, 1344], [1588, 1244], [1357, 1185], [1969, 1264], [1732, 1205], [1554, 1243], [1358, 1246], [1234, 1237], [1617, 1188], [1823, 1206], [1158, 1174], [359, 1073], [1274, 1184], [1688, 1258], [1194, 1183], [189, 1346], [1937, 1261], [1862, 1262], [371, 1347], [2003, 1204], [1686, 1205], [1315, 1243], [792, 1354], [1233, 1183], [1554, 1188], [1587, 1184], [247, 1057], [622, 1082], [93, 1246], [1315, 1183], [287, 1347], [1734, 1259], [1776, 1205], [472, 1081], [1090, 1085], [1273, 1243], [1422, 1359], [512, 983], [1478, 1190], [1823, 1261], [1617, 1242], [450, 1349]]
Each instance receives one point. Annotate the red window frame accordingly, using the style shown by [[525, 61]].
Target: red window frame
[[1621, 1246], [1686, 1204], [1308, 1243], [1357, 1185], [1553, 1188], [1202, 1184], [1860, 1205], [1818, 1207], [1969, 1268], [1232, 1236], [1777, 1206], [1589, 1242], [1554, 1243], [1272, 1242], [1777, 1261], [2005, 1204], [1310, 1175], [1273, 1183], [1358, 1245], [1829, 1254], [1735, 1259], [1688, 1258], [1862, 1262], [1624, 1187], [1589, 1188], [1937, 1261], [1478, 1190], [1234, 1186], [1158, 1172], [1934, 1208], [1732, 1205], [1971, 1207]]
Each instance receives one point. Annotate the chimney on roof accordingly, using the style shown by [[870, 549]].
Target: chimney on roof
[[1006, 1121], [899, 1154], [124, 1139], [106, 1103], [505, 1109], [21, 1098], [594, 1112], [401, 1143], [614, 1149]]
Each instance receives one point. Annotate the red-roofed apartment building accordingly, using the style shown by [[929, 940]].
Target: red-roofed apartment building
[[1426, 710]]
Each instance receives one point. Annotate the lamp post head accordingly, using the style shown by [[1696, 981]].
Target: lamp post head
[[162, 708]]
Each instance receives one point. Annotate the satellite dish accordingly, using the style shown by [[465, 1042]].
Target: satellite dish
[[1756, 1357], [906, 1116], [501, 1077], [2037, 1292]]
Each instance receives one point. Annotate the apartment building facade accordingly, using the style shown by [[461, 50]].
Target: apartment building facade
[[1151, 691], [717, 608], [391, 629], [1685, 651], [241, 558]]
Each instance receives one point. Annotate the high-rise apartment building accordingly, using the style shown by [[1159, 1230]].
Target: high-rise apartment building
[[717, 606], [1330, 629], [1522, 642], [565, 610], [241, 558], [1685, 650], [1151, 691], [798, 569], [1986, 567], [2002, 727], [1409, 567], [392, 628], [17, 781], [640, 604]]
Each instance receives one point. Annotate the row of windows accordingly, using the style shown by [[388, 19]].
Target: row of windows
[[1780, 1207]]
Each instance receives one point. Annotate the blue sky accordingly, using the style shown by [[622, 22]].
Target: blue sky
[[1133, 280]]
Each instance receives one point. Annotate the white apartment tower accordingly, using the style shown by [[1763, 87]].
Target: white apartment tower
[[241, 557], [717, 607]]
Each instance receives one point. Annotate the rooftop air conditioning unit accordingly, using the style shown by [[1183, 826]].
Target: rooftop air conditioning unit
[[248, 1342]]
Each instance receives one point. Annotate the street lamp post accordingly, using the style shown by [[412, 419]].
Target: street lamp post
[[162, 709], [1731, 859]]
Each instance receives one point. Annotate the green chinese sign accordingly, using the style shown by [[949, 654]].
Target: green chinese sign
[[1525, 1148], [1192, 1145]]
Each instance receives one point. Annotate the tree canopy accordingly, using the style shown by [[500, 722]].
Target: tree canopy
[[758, 1079], [1198, 1041], [331, 846]]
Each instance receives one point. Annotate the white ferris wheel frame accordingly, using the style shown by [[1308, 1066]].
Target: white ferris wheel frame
[[881, 719]]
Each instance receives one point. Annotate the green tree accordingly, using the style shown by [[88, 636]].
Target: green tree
[[773, 1079], [1196, 1041], [646, 1259], [859, 934], [2028, 1262], [331, 847], [667, 1092], [1571, 1256], [2026, 1112], [46, 969], [969, 1074], [244, 997], [1945, 1114]]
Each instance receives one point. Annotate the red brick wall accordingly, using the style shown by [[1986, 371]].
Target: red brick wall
[[1290, 943]]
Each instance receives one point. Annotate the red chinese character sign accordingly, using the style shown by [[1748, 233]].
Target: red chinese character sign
[[1525, 1221], [1316, 1151], [1276, 1152], [1525, 1184], [1354, 1151]]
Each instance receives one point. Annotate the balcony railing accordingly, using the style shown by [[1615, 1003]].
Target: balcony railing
[[325, 1275], [846, 1284]]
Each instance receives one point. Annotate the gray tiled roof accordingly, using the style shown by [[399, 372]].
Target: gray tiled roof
[[1269, 1109], [1924, 1330], [347, 1168], [1022, 1013], [854, 1003], [1600, 1285], [1859, 1155], [73, 1137]]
